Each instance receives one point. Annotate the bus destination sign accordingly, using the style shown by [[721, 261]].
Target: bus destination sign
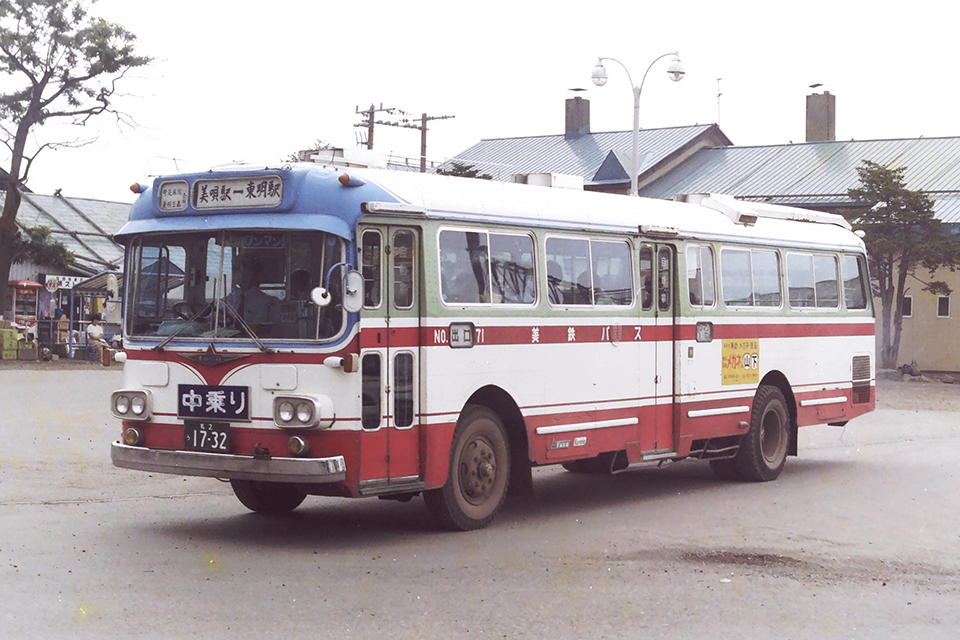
[[238, 193]]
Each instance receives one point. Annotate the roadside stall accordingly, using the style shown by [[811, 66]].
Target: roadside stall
[[100, 294]]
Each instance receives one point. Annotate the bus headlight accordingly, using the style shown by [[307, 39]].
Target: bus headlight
[[301, 412], [132, 404]]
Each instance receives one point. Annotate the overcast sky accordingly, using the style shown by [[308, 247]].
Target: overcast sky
[[258, 81]]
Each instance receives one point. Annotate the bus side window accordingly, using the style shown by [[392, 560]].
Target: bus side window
[[370, 391], [403, 251], [827, 284], [464, 267], [646, 278], [511, 264], [370, 261], [573, 257], [612, 275], [664, 278], [853, 283], [700, 276]]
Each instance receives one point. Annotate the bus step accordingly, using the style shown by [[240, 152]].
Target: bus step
[[657, 455], [387, 485]]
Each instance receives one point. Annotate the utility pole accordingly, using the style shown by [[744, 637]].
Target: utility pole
[[368, 121], [408, 123]]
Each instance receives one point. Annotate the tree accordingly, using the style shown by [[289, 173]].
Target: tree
[[34, 244], [59, 64], [902, 237], [464, 170]]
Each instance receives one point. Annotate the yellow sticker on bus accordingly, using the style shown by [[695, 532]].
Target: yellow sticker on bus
[[740, 362]]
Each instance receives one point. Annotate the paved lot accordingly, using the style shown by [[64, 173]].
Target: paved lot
[[859, 538]]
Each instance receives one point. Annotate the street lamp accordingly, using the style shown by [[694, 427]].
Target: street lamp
[[675, 71]]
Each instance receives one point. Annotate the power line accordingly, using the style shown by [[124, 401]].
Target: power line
[[403, 120]]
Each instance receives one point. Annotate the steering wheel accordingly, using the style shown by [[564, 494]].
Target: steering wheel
[[184, 310]]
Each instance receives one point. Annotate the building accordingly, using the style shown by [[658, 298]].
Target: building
[[602, 160], [86, 227], [815, 174]]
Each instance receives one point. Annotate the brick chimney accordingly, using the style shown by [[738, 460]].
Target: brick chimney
[[821, 117], [578, 118]]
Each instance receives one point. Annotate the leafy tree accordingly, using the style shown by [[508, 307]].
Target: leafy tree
[[35, 244], [463, 170], [902, 237], [57, 63]]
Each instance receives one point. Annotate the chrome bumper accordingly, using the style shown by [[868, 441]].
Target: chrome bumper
[[216, 465]]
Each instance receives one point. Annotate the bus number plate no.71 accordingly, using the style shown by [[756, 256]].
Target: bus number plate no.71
[[206, 436]]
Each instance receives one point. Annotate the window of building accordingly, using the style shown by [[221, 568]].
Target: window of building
[[943, 306], [906, 307]]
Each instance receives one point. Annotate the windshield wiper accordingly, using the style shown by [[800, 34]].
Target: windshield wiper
[[179, 330], [246, 328]]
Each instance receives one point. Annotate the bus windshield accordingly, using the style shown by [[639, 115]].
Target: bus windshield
[[234, 284]]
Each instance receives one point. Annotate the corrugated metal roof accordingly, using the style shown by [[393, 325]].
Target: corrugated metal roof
[[85, 226], [818, 174], [504, 157]]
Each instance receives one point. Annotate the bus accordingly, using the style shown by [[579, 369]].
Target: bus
[[312, 329]]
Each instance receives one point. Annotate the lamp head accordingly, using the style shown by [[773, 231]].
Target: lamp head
[[676, 70], [599, 75]]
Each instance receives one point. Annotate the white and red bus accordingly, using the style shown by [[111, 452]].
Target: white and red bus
[[307, 331]]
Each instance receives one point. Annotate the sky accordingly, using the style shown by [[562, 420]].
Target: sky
[[258, 81]]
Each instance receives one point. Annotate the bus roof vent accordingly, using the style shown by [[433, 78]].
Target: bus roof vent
[[747, 213], [559, 180], [363, 158]]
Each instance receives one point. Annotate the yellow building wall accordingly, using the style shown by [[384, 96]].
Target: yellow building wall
[[933, 342]]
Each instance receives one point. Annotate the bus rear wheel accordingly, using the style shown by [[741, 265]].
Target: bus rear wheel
[[267, 497], [479, 473], [763, 451]]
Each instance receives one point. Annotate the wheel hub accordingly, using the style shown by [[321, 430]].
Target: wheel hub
[[478, 471]]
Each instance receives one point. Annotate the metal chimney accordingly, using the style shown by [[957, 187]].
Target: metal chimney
[[821, 117], [578, 118]]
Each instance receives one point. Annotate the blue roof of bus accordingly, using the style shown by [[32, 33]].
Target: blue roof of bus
[[314, 199]]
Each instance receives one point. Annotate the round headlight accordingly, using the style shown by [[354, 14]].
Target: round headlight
[[305, 412], [138, 404], [122, 404], [285, 411]]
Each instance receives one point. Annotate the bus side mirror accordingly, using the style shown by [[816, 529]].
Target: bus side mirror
[[320, 296], [353, 292]]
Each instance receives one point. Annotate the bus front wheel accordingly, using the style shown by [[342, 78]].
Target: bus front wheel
[[267, 497], [479, 473]]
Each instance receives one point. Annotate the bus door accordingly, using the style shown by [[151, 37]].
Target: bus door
[[390, 363], [657, 293]]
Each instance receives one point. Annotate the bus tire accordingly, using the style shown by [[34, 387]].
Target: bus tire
[[267, 497], [763, 450], [479, 473]]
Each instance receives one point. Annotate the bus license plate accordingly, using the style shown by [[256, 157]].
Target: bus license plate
[[206, 436]]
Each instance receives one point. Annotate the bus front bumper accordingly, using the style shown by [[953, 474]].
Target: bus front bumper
[[216, 465]]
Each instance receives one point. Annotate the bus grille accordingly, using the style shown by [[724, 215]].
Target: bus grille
[[861, 367]]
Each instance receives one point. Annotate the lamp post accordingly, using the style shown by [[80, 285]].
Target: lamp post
[[675, 71]]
